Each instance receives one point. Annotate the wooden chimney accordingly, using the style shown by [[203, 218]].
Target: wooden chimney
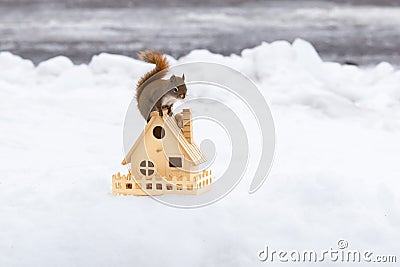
[[187, 125]]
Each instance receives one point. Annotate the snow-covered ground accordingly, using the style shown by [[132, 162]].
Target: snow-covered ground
[[335, 174]]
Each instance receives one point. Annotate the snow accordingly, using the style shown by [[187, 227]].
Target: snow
[[335, 174]]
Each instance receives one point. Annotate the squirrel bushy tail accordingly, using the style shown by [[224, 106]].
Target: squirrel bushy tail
[[160, 70]]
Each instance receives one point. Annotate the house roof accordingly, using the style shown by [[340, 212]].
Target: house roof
[[192, 150]]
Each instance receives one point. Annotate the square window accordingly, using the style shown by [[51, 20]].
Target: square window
[[149, 186], [189, 187], [175, 162], [169, 187], [159, 186], [118, 186], [128, 186], [178, 186]]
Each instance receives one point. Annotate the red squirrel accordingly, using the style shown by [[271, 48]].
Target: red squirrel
[[154, 93]]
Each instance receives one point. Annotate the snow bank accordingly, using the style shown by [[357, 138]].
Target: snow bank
[[314, 83], [335, 174]]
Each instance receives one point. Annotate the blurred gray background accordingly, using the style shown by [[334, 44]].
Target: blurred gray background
[[360, 32]]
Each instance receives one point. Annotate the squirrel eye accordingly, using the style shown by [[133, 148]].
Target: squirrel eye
[[175, 90]]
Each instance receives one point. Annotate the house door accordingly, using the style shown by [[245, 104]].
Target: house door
[[174, 168]]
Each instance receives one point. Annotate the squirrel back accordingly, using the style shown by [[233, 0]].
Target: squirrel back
[[159, 71]]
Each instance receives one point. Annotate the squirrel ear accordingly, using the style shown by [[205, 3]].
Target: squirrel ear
[[183, 76], [173, 78]]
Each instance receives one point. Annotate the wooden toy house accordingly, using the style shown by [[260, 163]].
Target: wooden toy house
[[164, 160]]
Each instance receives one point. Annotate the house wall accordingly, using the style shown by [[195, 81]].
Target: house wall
[[158, 151]]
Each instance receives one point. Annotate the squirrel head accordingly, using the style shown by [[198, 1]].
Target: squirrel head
[[178, 86]]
